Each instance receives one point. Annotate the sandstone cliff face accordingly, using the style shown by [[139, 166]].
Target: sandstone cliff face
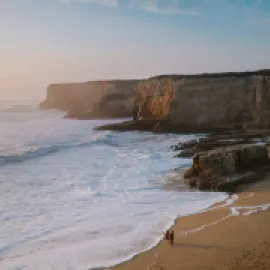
[[200, 101], [93, 99], [261, 114], [207, 102], [154, 98]]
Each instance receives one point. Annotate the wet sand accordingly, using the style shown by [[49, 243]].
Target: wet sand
[[226, 237]]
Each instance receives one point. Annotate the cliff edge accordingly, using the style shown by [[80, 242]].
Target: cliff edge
[[202, 103], [171, 102], [90, 100]]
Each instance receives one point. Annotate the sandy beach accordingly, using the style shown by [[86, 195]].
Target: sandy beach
[[233, 235]]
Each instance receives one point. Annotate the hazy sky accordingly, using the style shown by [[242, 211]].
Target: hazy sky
[[46, 41]]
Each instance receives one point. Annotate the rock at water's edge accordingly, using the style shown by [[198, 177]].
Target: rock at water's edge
[[227, 166]]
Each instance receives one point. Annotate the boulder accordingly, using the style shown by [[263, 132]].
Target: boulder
[[230, 159]]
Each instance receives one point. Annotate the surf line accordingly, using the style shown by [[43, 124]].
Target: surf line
[[235, 211]]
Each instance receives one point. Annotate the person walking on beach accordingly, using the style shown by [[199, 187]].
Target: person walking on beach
[[167, 235], [172, 237]]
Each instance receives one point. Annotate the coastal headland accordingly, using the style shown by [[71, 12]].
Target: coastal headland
[[179, 103]]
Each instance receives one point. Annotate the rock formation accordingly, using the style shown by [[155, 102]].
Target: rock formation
[[207, 102], [223, 162], [181, 102], [100, 99], [225, 165]]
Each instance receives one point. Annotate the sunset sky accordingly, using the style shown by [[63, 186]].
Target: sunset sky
[[47, 41]]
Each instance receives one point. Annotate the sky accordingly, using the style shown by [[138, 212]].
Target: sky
[[50, 41]]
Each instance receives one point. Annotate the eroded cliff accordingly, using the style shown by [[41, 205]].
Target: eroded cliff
[[196, 102], [206, 101], [99, 99]]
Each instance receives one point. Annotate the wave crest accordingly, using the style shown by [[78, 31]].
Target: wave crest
[[21, 155]]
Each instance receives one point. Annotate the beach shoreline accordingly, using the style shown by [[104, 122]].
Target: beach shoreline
[[214, 238]]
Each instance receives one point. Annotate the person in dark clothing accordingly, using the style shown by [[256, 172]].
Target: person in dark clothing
[[172, 237], [167, 235]]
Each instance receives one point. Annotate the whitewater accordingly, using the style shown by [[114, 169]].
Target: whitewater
[[75, 198]]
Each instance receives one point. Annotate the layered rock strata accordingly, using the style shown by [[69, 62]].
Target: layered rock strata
[[93, 100], [225, 168], [187, 103]]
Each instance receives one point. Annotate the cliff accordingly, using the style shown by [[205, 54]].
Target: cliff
[[176, 102], [98, 99], [206, 101]]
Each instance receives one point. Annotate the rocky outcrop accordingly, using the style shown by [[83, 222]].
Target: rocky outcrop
[[225, 162], [224, 167], [100, 99], [160, 126], [211, 142]]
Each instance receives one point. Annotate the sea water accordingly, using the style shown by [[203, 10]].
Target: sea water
[[75, 198]]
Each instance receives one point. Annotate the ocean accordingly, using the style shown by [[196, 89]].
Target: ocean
[[75, 198]]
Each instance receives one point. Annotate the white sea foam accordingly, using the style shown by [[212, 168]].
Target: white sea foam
[[248, 210], [79, 198], [20, 153], [230, 200], [235, 211]]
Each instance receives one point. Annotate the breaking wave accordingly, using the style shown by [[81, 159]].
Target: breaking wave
[[27, 153]]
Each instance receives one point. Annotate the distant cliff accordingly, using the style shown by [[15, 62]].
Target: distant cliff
[[98, 99], [197, 102]]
